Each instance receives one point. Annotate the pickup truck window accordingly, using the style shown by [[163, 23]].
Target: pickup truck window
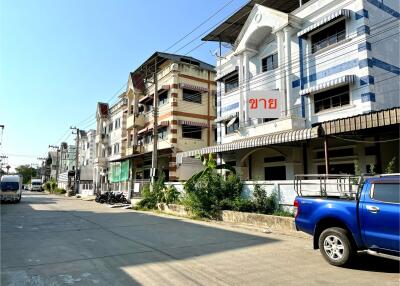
[[389, 193]]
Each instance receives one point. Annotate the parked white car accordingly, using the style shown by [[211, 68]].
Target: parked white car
[[36, 185], [11, 188]]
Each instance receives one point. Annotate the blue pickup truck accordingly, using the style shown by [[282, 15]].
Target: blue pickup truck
[[363, 218]]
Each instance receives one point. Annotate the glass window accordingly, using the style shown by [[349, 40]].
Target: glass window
[[233, 127], [231, 83], [191, 95], [389, 193], [269, 63], [328, 36], [162, 133], [163, 98], [10, 186], [117, 123], [149, 105], [331, 98], [148, 138], [275, 173], [110, 127], [193, 132]]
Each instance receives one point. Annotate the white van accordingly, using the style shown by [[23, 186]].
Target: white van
[[11, 188], [36, 185]]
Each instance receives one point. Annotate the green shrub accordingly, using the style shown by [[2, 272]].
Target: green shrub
[[282, 212], [59, 191], [262, 202], [170, 195], [149, 199], [238, 204]]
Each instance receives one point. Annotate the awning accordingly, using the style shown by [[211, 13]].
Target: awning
[[147, 97], [346, 79], [363, 121], [150, 127], [333, 16], [193, 87], [226, 117], [227, 73], [193, 123], [258, 141]]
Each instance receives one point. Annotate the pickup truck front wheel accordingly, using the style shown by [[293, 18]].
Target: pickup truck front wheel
[[335, 246]]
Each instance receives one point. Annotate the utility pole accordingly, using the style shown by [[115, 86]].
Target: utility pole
[[76, 159], [155, 129]]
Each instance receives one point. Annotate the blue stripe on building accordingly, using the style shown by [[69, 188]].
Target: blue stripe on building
[[365, 63], [362, 13], [385, 8], [385, 66], [364, 46], [369, 96], [364, 29], [368, 79]]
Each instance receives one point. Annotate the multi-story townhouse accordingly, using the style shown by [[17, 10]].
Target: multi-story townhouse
[[328, 60], [86, 160], [110, 147], [186, 113]]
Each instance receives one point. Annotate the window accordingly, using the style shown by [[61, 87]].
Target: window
[[140, 141], [331, 98], [149, 105], [345, 168], [131, 110], [231, 83], [193, 132], [329, 36], [117, 123], [336, 153], [190, 62], [116, 148], [233, 127], [163, 98], [275, 173], [162, 133], [148, 138], [110, 127], [10, 186], [191, 95], [141, 109], [109, 151], [389, 193], [274, 159], [269, 63]]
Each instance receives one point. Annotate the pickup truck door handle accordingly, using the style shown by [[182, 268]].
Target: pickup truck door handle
[[372, 209]]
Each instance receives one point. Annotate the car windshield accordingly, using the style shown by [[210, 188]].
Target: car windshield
[[36, 183], [9, 186]]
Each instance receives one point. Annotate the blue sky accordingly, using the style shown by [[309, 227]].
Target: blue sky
[[58, 58]]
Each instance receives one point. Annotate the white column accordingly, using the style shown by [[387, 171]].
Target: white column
[[281, 65], [288, 70], [246, 84], [241, 95]]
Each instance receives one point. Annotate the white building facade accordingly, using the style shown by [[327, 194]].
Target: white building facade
[[328, 60]]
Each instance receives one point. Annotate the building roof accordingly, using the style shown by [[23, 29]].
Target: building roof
[[161, 57], [229, 30]]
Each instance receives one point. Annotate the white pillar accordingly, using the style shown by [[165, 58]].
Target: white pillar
[[246, 84], [281, 65], [241, 95], [288, 70]]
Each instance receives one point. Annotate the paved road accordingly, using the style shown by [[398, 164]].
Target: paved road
[[49, 240]]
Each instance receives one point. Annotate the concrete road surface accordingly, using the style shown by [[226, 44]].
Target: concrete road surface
[[52, 240]]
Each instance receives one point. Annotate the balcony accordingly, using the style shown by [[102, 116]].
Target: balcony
[[140, 119], [101, 161], [130, 121], [102, 138]]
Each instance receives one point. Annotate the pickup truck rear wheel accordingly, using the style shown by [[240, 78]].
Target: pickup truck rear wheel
[[335, 246]]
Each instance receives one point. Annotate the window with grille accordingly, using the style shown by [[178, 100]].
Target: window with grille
[[269, 63], [332, 98], [191, 95], [193, 132], [328, 36], [231, 83]]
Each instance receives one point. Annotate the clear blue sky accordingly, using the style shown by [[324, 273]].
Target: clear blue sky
[[58, 58]]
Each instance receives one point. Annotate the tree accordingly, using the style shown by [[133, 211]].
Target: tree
[[27, 173]]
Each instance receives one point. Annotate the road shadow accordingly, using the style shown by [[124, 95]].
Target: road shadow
[[366, 262], [52, 247]]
